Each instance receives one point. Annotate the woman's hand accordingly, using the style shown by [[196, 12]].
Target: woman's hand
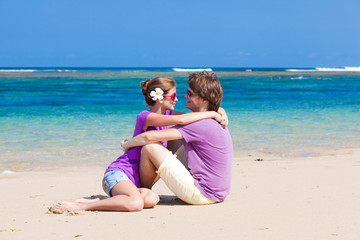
[[218, 117], [224, 121]]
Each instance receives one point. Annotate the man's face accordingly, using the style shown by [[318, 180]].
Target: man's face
[[194, 102]]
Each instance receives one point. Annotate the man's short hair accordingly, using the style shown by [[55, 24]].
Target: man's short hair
[[207, 86]]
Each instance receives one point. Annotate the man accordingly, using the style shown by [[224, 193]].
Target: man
[[208, 147]]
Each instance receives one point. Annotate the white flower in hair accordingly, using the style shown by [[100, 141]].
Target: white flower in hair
[[157, 94]]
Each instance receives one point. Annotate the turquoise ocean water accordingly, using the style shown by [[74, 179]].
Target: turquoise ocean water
[[67, 117]]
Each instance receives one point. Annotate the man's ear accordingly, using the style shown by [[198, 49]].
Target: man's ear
[[205, 102]]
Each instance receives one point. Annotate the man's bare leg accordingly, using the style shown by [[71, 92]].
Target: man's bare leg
[[177, 148], [174, 145]]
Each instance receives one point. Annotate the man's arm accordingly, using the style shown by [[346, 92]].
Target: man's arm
[[151, 137]]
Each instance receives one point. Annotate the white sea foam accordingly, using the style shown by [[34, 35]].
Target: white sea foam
[[323, 69], [17, 70], [65, 70], [192, 69], [300, 78], [300, 70], [35, 70], [345, 69]]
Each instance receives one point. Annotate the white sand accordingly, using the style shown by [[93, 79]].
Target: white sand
[[309, 198]]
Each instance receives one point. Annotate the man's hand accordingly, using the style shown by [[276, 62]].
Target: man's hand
[[124, 145]]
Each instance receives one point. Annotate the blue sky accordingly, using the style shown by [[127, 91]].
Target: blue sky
[[116, 33]]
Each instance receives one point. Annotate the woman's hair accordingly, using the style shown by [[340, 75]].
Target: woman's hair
[[159, 82], [208, 87]]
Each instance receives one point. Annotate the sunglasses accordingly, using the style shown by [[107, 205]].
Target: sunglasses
[[172, 96], [190, 94]]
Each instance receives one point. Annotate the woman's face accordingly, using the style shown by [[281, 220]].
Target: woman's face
[[168, 101]]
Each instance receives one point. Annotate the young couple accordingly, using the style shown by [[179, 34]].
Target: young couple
[[202, 134]]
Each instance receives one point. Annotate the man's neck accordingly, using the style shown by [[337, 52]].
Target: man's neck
[[201, 109]]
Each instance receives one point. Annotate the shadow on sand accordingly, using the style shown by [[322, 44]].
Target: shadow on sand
[[169, 200]]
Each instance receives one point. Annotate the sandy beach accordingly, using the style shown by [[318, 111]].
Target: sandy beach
[[74, 84], [282, 198]]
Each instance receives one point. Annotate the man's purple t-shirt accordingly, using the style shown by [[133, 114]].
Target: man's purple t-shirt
[[210, 154], [129, 161]]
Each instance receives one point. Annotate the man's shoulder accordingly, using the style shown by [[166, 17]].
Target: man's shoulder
[[207, 131], [209, 124], [211, 127], [197, 123]]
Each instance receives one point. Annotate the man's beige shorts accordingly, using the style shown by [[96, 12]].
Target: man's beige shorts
[[179, 180]]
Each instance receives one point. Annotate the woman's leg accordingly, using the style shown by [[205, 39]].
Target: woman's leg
[[149, 197], [147, 172], [152, 156], [125, 197]]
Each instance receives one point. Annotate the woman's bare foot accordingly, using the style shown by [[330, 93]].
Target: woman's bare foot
[[85, 200], [69, 206]]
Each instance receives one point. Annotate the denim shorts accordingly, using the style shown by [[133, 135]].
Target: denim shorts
[[111, 178]]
